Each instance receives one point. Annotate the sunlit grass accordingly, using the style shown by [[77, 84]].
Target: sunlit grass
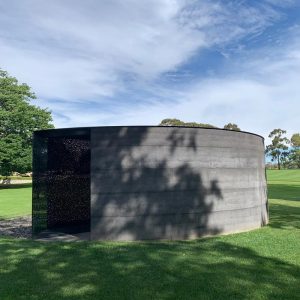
[[15, 200]]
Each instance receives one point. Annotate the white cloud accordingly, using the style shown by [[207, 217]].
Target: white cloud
[[68, 50], [73, 50], [79, 52], [260, 96]]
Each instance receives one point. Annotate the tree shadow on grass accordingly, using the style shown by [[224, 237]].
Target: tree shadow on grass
[[284, 216], [284, 191], [201, 269], [16, 186]]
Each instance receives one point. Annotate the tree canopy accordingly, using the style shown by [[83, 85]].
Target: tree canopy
[[18, 120], [278, 147], [294, 156], [232, 126], [176, 122], [295, 140]]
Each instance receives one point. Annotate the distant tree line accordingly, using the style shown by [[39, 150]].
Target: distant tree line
[[176, 122]]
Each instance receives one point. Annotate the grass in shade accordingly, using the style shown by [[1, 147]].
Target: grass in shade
[[259, 264]]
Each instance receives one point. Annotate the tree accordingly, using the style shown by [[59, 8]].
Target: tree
[[278, 148], [176, 122], [232, 126], [295, 140], [294, 156], [171, 122], [18, 120]]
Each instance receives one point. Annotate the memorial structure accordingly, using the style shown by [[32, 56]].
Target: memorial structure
[[148, 182]]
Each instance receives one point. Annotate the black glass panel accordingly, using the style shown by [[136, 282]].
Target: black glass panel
[[61, 189], [39, 184]]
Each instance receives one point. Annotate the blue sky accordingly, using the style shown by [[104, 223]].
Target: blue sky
[[137, 62]]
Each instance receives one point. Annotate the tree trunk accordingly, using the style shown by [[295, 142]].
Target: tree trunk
[[278, 162]]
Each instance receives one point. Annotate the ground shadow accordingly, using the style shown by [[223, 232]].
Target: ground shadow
[[284, 216], [206, 269], [16, 186], [284, 191]]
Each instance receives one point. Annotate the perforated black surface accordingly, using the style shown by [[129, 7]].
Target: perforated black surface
[[61, 182]]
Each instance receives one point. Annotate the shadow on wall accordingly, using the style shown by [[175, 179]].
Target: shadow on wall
[[147, 184]]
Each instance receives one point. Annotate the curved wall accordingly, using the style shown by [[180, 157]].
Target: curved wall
[[168, 182], [175, 183]]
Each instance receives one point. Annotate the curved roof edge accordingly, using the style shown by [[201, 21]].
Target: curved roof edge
[[146, 126]]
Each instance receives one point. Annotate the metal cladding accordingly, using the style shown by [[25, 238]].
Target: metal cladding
[[143, 182]]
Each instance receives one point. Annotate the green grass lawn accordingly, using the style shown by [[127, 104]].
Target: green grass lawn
[[15, 200], [284, 175], [260, 264]]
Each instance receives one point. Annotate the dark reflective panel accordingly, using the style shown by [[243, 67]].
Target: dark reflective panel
[[39, 184], [61, 197]]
